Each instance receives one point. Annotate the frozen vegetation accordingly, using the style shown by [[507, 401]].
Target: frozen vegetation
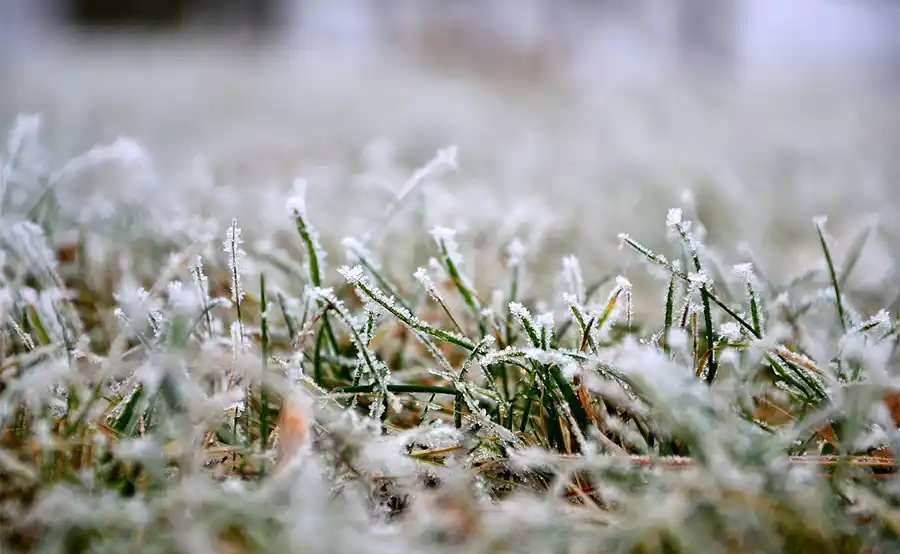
[[290, 309]]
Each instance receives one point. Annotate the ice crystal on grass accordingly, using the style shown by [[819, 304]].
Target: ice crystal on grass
[[356, 252], [236, 254], [421, 275], [124, 150], [673, 218], [200, 279], [353, 275], [28, 243], [182, 298], [445, 158], [519, 311], [20, 140], [296, 203], [880, 324], [516, 251], [440, 415], [154, 313], [24, 133], [445, 238], [315, 254], [745, 272], [731, 331], [699, 278], [545, 322], [572, 276], [23, 336]]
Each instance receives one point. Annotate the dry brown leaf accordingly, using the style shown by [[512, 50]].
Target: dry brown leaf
[[584, 398], [294, 426], [771, 411], [892, 401]]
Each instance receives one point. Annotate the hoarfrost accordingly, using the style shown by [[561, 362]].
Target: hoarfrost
[[731, 331], [573, 277], [29, 244], [700, 278], [446, 239], [25, 130], [545, 321], [673, 218], [744, 272], [516, 252], [353, 275], [236, 255], [421, 275], [520, 311], [355, 252], [296, 203], [124, 150]]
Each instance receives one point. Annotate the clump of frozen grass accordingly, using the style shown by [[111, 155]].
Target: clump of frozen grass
[[347, 413]]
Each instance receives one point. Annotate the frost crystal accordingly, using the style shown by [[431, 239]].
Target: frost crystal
[[545, 321], [296, 203], [447, 157], [880, 321], [236, 255], [744, 272], [355, 251], [882, 318], [731, 331], [701, 278], [353, 275], [23, 336], [181, 297], [25, 130], [444, 159], [673, 218], [572, 275], [124, 150], [200, 280], [519, 310], [624, 286], [6, 302], [237, 339], [516, 252], [446, 239], [151, 305], [28, 241], [422, 277]]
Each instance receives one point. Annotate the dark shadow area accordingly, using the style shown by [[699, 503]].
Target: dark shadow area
[[260, 16], [128, 13]]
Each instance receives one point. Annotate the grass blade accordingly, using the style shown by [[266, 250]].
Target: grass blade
[[838, 298]]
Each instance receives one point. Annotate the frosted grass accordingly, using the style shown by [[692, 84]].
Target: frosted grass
[[563, 171], [490, 375]]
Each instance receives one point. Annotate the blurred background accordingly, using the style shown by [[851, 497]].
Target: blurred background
[[744, 37], [575, 120]]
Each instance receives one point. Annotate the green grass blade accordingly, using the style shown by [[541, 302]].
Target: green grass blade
[[854, 254], [264, 355], [836, 285], [401, 313], [670, 312]]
